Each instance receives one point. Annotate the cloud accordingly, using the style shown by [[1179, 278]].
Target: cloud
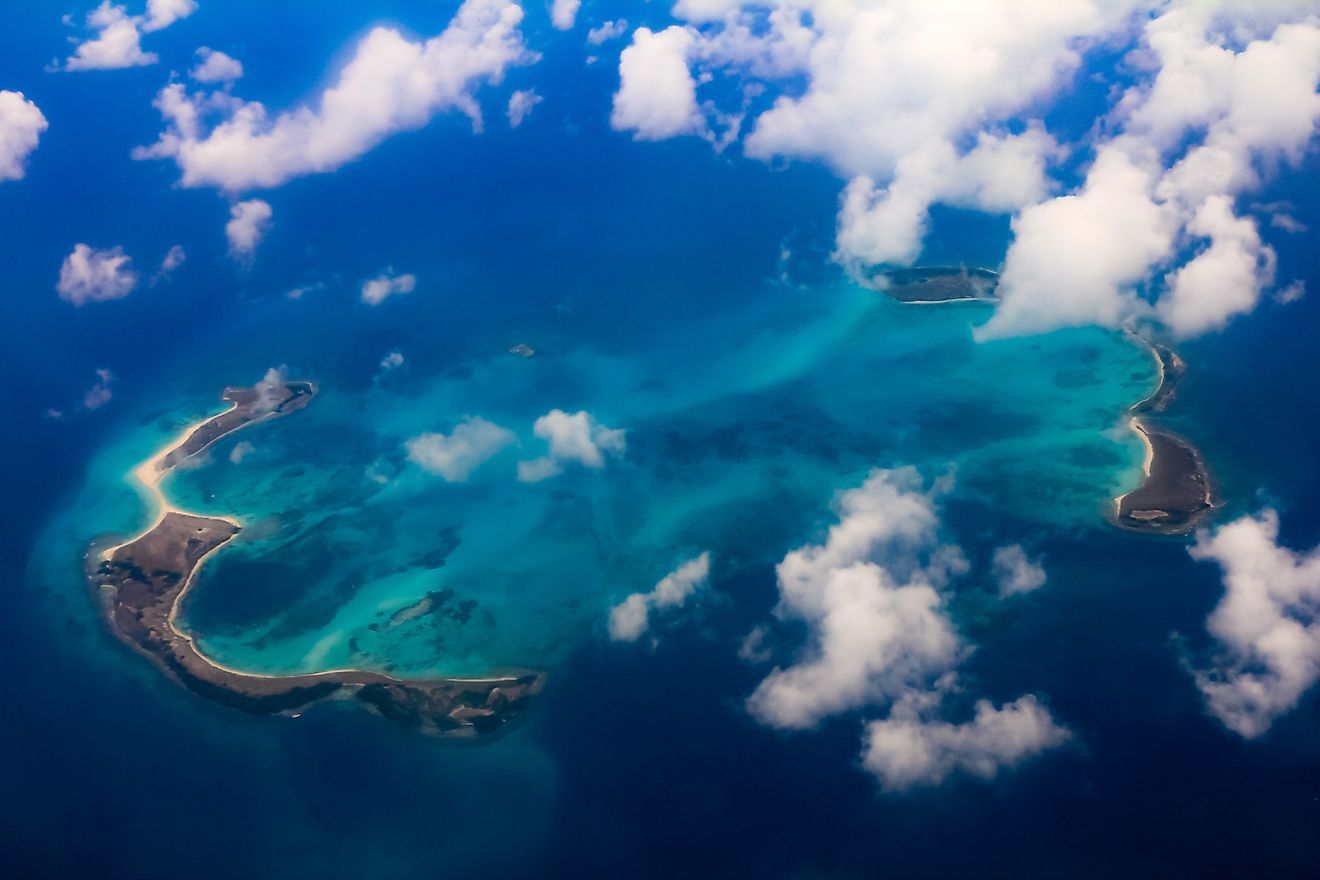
[[922, 102], [377, 290], [21, 125], [887, 224], [99, 394], [871, 597], [391, 361], [1233, 91], [241, 450], [1267, 624], [173, 259], [904, 751], [610, 30], [390, 84], [118, 40], [94, 275], [630, 619], [249, 221], [1016, 572], [914, 102], [520, 105], [215, 67], [575, 437], [456, 455], [563, 13], [657, 96]]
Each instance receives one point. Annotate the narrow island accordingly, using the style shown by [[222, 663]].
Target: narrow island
[[1175, 493], [141, 582]]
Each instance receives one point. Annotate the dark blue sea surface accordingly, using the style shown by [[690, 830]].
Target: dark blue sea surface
[[637, 761]]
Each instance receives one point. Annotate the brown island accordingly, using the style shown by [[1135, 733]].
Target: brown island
[[140, 584], [1175, 494]]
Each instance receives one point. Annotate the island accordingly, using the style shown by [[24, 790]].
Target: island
[[924, 285], [141, 582], [1175, 494]]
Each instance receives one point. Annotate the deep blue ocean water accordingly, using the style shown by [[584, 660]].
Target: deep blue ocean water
[[635, 762]]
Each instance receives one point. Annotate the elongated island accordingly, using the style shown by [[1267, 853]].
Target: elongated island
[[141, 582], [1175, 494]]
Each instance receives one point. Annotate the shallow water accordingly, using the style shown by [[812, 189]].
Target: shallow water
[[736, 439]]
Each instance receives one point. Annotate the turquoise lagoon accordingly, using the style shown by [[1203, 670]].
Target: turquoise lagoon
[[739, 429]]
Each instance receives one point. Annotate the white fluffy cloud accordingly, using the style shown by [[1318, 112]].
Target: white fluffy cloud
[[163, 13], [911, 100], [631, 618], [923, 102], [454, 456], [1016, 572], [95, 275], [657, 95], [1076, 259], [21, 125], [118, 40], [904, 751], [1225, 279], [573, 438], [520, 104], [1267, 624], [390, 84], [878, 633], [376, 290], [248, 223], [563, 13], [1193, 140], [216, 67]]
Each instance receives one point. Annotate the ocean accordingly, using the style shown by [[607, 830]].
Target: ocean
[[687, 298]]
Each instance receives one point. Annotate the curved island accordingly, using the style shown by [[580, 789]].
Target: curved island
[[1175, 493], [142, 581]]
